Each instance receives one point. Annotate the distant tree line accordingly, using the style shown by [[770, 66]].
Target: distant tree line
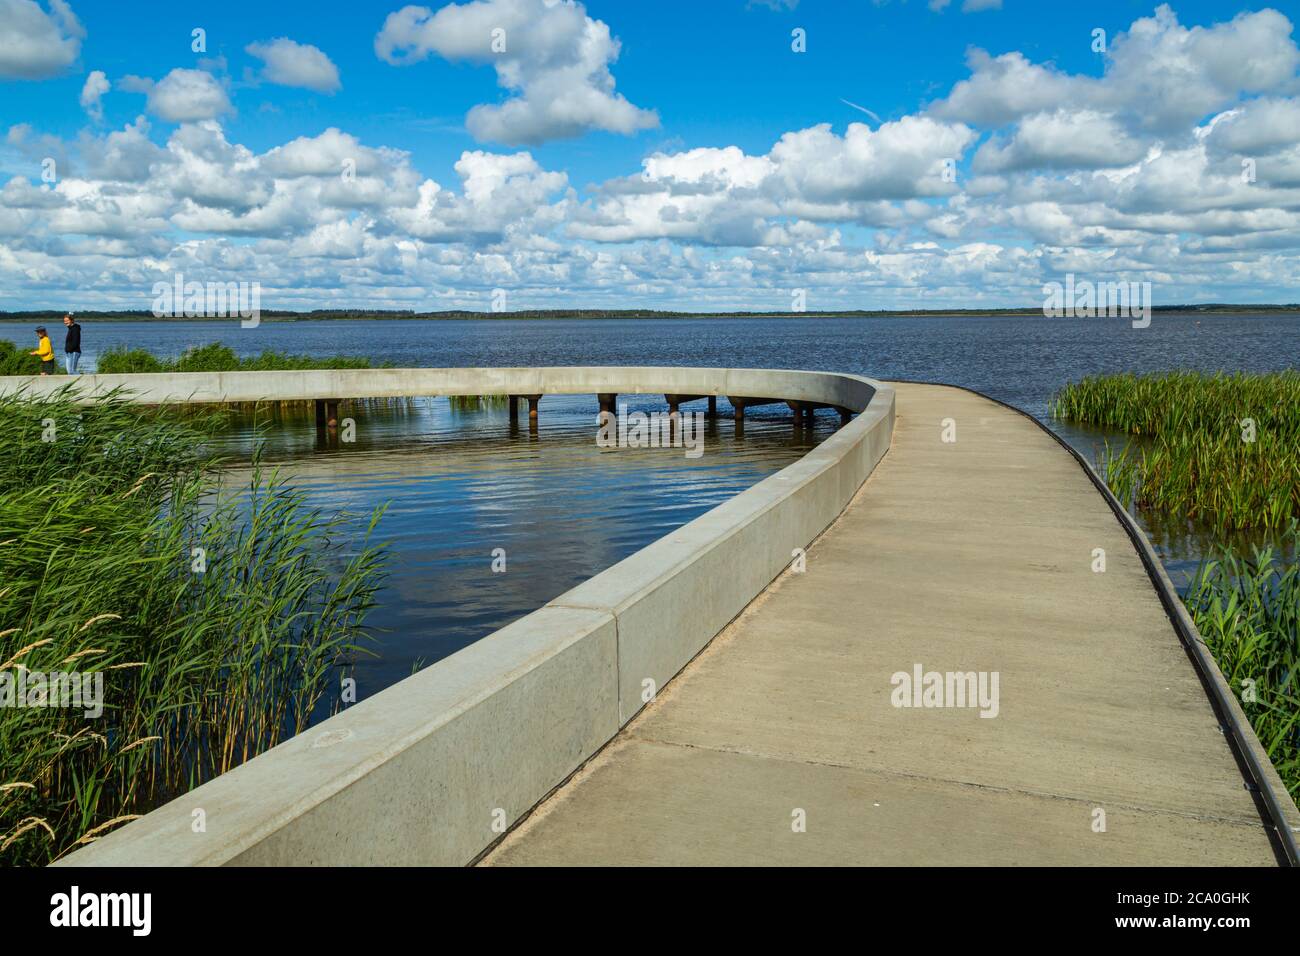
[[143, 315]]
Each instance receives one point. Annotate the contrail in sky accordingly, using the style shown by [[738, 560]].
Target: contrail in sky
[[862, 108]]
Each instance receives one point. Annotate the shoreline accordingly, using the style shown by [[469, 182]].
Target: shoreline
[[558, 315]]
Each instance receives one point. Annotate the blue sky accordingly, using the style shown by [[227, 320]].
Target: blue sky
[[718, 73], [538, 203]]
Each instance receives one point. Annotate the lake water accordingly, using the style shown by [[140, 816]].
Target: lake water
[[487, 522], [462, 484], [1021, 360]]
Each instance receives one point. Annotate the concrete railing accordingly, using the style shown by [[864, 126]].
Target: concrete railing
[[212, 387], [434, 768]]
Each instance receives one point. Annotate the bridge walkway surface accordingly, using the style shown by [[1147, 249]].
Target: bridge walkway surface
[[781, 742]]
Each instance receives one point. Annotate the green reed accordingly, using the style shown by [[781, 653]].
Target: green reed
[[1247, 609], [1221, 450], [475, 403], [206, 660], [215, 357], [14, 360]]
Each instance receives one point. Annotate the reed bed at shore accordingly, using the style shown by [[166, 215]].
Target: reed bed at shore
[[14, 360], [1221, 450], [1247, 608], [1222, 453], [475, 403], [215, 357], [216, 621]]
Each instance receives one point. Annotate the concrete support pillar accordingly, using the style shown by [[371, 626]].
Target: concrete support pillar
[[739, 405], [800, 411], [674, 415], [846, 416], [713, 407], [608, 409], [513, 402], [327, 412]]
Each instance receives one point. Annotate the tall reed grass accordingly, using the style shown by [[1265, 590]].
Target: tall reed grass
[[1221, 450], [1189, 458], [14, 360], [1247, 609], [215, 357], [98, 531]]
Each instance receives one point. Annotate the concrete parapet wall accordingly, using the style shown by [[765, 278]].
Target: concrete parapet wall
[[214, 387], [429, 770]]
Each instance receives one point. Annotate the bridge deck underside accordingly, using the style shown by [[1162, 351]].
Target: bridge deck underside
[[973, 555]]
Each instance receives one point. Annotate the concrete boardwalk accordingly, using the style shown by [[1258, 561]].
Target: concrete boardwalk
[[968, 556]]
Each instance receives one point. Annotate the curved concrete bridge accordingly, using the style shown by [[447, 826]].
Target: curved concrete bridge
[[783, 742], [864, 659]]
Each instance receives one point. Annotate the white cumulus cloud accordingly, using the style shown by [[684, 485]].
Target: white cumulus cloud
[[34, 43], [288, 63], [96, 86], [553, 58], [187, 96], [1082, 139]]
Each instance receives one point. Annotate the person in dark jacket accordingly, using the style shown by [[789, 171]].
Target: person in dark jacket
[[71, 345]]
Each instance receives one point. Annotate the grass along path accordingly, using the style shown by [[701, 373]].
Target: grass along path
[[205, 658], [1222, 452], [1247, 608], [216, 357]]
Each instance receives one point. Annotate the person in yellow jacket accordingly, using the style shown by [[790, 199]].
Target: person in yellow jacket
[[44, 351]]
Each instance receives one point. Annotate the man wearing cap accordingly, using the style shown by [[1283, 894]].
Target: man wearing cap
[[44, 351], [71, 345]]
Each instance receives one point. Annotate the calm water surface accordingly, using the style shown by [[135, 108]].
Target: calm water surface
[[1021, 360], [461, 484]]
